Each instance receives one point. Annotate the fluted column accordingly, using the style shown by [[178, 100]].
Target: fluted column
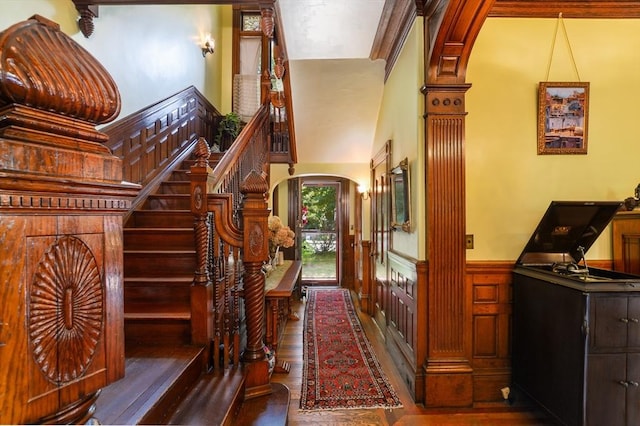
[[449, 381]]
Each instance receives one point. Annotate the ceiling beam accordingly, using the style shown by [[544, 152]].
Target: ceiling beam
[[161, 2], [88, 9]]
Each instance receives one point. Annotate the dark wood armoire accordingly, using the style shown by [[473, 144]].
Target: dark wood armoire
[[62, 202]]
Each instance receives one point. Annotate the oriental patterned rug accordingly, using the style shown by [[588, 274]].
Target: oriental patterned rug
[[340, 369]]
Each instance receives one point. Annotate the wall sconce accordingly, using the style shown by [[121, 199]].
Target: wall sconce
[[208, 46], [364, 192]]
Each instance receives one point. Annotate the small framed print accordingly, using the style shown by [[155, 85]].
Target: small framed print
[[562, 118]]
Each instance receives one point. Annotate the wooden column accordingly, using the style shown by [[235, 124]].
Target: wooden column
[[254, 218], [449, 379], [201, 293]]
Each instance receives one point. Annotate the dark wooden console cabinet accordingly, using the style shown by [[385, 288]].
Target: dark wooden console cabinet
[[576, 349], [576, 335]]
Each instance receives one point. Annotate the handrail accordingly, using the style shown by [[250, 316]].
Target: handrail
[[230, 212], [232, 159]]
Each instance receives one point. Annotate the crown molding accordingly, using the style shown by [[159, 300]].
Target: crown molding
[[616, 9]]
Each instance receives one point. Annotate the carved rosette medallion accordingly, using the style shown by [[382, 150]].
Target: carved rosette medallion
[[197, 198], [65, 310], [256, 239]]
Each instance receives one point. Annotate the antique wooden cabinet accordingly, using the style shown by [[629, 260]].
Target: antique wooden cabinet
[[576, 335]]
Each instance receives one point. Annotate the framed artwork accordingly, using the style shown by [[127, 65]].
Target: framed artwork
[[400, 190], [563, 110]]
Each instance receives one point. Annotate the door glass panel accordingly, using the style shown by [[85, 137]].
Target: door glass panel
[[320, 232]]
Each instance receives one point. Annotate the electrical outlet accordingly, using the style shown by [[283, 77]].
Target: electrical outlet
[[469, 241], [505, 392]]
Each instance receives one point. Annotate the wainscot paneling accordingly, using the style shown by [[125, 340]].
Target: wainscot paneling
[[149, 140], [489, 284], [406, 320]]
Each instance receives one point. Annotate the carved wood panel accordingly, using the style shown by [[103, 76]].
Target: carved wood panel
[[490, 287], [148, 140], [406, 318], [625, 228]]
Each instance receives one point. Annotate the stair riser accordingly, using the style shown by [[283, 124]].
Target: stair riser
[[174, 188], [167, 202], [157, 332], [167, 297], [140, 239], [179, 175], [158, 265], [159, 219], [166, 406]]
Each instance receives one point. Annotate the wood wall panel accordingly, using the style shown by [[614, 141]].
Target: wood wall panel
[[625, 230], [490, 284], [366, 283], [406, 320], [149, 140]]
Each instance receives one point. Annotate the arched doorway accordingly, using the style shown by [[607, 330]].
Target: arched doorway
[[320, 209]]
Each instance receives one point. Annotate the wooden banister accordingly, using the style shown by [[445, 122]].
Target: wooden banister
[[230, 210]]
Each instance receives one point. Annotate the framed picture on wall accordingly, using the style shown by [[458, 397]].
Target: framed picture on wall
[[562, 118], [400, 190]]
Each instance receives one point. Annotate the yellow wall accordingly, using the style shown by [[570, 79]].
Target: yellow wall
[[151, 52], [509, 186], [400, 120]]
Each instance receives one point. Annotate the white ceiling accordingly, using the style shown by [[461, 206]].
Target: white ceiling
[[329, 29], [336, 88]]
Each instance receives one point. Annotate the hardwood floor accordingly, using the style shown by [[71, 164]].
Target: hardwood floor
[[291, 350]]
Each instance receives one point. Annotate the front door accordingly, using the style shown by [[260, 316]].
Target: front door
[[320, 231]]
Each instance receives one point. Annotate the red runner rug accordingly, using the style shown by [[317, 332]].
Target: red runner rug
[[340, 369]]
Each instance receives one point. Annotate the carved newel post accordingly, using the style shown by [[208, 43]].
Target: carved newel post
[[62, 202], [256, 248]]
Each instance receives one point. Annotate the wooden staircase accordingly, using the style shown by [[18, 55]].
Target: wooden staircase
[[164, 372], [176, 290], [159, 263]]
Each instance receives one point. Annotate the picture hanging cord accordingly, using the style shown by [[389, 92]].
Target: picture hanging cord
[[553, 45]]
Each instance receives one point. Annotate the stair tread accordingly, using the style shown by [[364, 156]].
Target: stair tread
[[150, 372], [163, 211], [144, 210], [143, 280], [211, 399], [162, 314], [271, 409], [138, 251], [155, 229]]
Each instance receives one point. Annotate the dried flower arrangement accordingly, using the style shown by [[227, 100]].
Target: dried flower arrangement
[[279, 235]]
